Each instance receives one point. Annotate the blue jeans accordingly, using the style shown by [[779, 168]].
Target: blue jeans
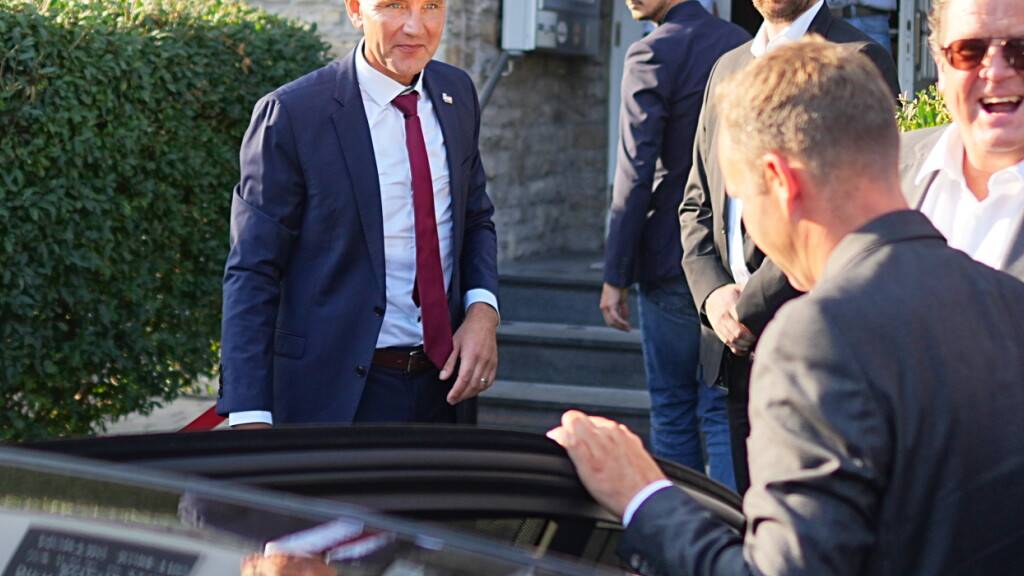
[[876, 27], [681, 405]]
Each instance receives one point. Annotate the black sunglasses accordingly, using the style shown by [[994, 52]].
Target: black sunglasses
[[967, 54]]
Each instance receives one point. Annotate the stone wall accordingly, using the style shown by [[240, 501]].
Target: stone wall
[[543, 135]]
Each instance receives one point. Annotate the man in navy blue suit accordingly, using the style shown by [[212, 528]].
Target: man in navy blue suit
[[662, 87], [361, 282]]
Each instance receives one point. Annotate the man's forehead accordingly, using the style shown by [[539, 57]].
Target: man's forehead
[[384, 3], [983, 18]]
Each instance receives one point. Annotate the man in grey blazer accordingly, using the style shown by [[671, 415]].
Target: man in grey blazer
[[718, 257], [968, 178], [885, 407]]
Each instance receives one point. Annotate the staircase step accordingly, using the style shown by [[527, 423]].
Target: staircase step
[[565, 396], [570, 354], [565, 290], [538, 407]]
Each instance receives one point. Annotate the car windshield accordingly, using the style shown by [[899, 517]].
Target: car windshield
[[69, 516]]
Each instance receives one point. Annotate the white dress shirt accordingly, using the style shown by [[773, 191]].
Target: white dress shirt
[[984, 229], [402, 325], [734, 206]]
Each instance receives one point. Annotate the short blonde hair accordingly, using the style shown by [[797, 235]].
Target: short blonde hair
[[823, 103], [935, 19]]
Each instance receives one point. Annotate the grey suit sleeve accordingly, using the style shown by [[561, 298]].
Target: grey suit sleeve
[[819, 447], [819, 458], [701, 261]]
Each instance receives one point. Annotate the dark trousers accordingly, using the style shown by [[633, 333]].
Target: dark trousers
[[395, 396], [736, 374]]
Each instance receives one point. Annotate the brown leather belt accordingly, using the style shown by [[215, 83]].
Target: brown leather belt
[[408, 360], [857, 11]]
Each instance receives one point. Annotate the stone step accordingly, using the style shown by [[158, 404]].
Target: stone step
[[570, 354], [538, 407], [563, 290]]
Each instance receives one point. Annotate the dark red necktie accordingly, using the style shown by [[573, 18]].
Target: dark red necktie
[[429, 284]]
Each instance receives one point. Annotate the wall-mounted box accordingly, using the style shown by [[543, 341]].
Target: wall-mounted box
[[569, 27]]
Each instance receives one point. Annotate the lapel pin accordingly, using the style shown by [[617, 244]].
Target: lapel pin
[[447, 99]]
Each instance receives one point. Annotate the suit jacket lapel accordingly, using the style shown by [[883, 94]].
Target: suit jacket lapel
[[822, 21], [915, 198], [357, 148], [1015, 258], [447, 117], [914, 151]]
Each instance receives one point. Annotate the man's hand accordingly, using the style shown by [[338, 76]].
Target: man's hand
[[282, 565], [610, 460], [615, 306], [720, 308], [476, 349], [252, 426]]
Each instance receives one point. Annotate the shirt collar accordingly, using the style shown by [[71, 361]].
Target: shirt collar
[[792, 33], [379, 87], [948, 157]]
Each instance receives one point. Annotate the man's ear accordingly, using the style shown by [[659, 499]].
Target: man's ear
[[782, 181], [354, 15], [940, 72]]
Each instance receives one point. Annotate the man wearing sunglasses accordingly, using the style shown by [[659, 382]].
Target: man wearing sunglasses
[[968, 178]]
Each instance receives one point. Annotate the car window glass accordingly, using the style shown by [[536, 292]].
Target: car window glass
[[59, 522]]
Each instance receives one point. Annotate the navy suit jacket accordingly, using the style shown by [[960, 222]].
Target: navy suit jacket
[[662, 88], [304, 293]]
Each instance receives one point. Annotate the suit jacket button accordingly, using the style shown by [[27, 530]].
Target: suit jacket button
[[378, 311], [361, 370]]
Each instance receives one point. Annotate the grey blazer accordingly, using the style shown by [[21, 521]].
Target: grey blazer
[[914, 150], [702, 212], [887, 435]]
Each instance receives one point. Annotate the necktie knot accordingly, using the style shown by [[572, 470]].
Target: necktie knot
[[406, 103]]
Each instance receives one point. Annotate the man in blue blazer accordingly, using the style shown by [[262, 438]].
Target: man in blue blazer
[[361, 282], [662, 86]]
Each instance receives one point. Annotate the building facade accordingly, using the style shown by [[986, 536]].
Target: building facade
[[548, 135], [543, 135]]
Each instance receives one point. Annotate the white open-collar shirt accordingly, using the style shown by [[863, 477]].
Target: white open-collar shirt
[[984, 229], [402, 324]]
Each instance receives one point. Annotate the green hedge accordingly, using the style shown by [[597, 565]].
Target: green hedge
[[120, 123], [927, 109]]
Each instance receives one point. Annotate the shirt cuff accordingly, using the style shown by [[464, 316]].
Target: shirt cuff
[[250, 417], [642, 497], [482, 295]]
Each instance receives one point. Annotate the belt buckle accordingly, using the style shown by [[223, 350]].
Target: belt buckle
[[412, 358]]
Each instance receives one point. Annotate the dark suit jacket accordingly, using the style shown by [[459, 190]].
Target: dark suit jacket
[[304, 293], [915, 148], [703, 210], [662, 87], [886, 429]]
